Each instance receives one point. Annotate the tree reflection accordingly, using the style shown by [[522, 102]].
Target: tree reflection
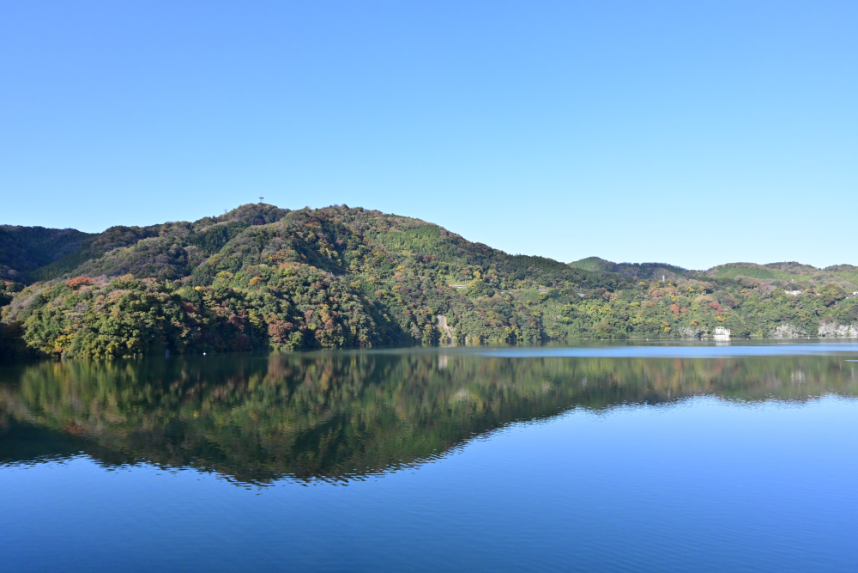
[[347, 416]]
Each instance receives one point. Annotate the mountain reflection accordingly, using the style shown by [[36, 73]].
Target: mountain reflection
[[347, 416]]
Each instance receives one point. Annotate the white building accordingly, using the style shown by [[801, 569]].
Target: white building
[[721, 333]]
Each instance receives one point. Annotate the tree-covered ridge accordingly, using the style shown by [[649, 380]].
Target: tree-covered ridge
[[787, 275], [790, 275], [262, 278], [637, 271], [339, 417], [166, 251], [24, 250]]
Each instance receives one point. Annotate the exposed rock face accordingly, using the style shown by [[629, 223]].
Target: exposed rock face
[[447, 334], [834, 330], [787, 330], [689, 332]]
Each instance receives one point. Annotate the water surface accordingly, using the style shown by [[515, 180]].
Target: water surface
[[612, 458]]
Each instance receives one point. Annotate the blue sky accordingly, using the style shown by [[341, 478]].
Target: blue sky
[[695, 133]]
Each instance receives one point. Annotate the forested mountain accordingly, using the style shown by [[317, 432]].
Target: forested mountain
[[790, 276], [637, 271], [261, 278], [24, 250]]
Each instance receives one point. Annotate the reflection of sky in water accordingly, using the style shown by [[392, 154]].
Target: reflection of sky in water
[[628, 349], [619, 458], [705, 486], [720, 350]]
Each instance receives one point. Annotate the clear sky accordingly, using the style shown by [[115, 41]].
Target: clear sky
[[691, 132]]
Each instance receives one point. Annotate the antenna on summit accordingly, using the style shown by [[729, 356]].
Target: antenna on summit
[[261, 199]]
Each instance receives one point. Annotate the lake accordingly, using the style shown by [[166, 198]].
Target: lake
[[636, 457]]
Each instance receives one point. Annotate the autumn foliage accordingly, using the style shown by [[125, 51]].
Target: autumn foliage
[[78, 282], [350, 278]]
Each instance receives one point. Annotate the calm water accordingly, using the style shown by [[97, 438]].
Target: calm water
[[613, 458]]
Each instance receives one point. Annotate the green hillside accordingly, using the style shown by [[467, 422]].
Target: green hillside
[[635, 271], [263, 278], [732, 271], [595, 264], [846, 273], [24, 250], [785, 274]]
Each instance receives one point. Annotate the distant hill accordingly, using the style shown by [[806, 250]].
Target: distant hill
[[645, 271], [261, 277], [595, 264], [790, 275], [24, 250], [784, 274]]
